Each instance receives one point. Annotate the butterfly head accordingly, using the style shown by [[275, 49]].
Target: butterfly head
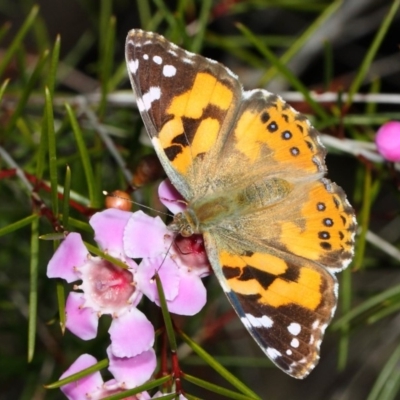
[[184, 223]]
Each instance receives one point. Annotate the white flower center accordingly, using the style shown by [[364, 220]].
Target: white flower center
[[107, 288]]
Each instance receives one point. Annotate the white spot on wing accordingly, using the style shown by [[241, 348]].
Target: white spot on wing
[[289, 352], [323, 327], [146, 56], [133, 66], [315, 324], [295, 343], [144, 104], [252, 321], [272, 353], [294, 328], [169, 70], [157, 60]]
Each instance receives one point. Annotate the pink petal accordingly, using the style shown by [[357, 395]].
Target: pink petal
[[109, 228], [132, 371], [144, 236], [79, 389], [388, 141], [70, 254], [192, 295], [82, 322], [168, 272], [170, 197], [131, 334]]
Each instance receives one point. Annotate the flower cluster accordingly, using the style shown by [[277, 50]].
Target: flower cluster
[[107, 288]]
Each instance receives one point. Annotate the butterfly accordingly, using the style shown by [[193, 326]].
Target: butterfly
[[252, 171]]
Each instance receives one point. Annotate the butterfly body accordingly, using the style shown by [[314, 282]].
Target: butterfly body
[[251, 170], [221, 210]]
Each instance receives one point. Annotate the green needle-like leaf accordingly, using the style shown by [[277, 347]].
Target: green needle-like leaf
[[385, 375], [61, 304], [299, 43], [18, 225], [107, 64], [218, 367], [217, 389], [65, 205], [81, 374], [204, 16], [366, 63], [27, 91], [366, 306], [16, 43], [55, 54], [3, 88], [52, 151], [167, 317], [83, 151], [265, 51], [33, 289]]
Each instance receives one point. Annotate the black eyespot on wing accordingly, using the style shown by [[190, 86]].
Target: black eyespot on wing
[[265, 117], [287, 135], [294, 151], [272, 127]]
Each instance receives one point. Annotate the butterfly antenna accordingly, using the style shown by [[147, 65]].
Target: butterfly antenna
[[167, 252], [136, 203]]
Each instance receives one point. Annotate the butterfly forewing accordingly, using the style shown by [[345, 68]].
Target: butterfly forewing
[[188, 104]]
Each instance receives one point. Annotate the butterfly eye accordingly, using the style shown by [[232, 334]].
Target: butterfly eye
[[186, 231]]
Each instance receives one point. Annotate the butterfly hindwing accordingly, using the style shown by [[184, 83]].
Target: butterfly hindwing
[[285, 302]]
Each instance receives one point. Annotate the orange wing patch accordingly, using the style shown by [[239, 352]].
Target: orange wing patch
[[326, 231], [197, 116], [268, 123], [275, 281]]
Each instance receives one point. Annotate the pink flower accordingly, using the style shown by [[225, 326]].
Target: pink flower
[[128, 373], [106, 288], [180, 262], [388, 141]]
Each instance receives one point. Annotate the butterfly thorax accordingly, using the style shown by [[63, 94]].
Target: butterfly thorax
[[204, 213], [184, 223]]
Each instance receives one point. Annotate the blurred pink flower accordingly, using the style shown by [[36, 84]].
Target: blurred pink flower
[[388, 141]]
